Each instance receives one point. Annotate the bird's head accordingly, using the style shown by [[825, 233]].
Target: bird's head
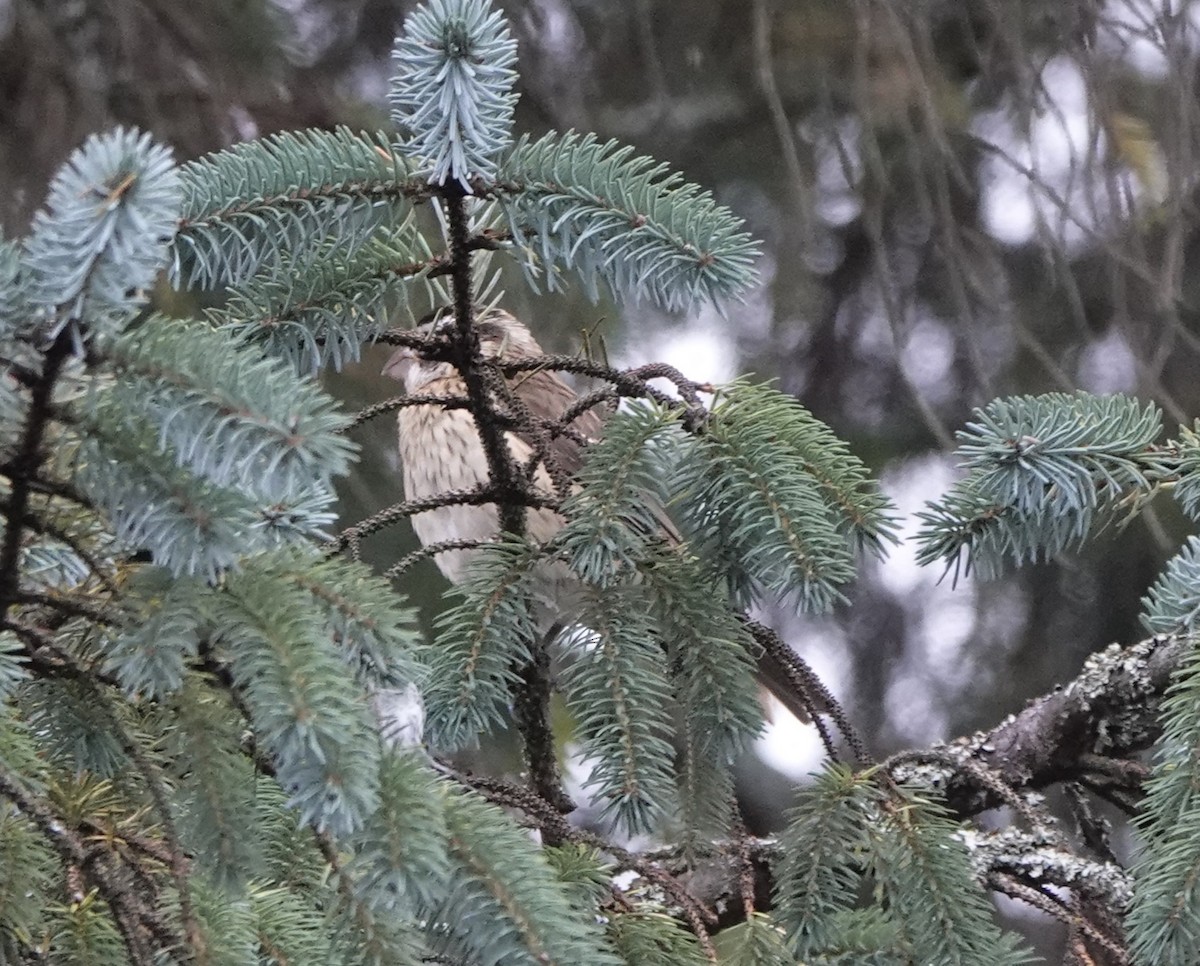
[[502, 337]]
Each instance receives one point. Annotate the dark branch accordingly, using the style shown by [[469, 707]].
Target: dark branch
[[1086, 731], [532, 700], [407, 508], [26, 461]]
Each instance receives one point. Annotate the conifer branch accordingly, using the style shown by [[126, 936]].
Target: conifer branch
[[405, 563], [1044, 900], [817, 698], [1109, 710], [402, 402], [453, 89], [245, 207], [100, 570], [71, 607], [131, 914], [23, 468], [696, 910], [178, 863], [591, 206], [532, 704], [477, 496], [241, 654]]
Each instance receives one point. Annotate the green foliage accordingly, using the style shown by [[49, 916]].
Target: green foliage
[[644, 600], [72, 730], [20, 752], [83, 934], [14, 289], [928, 904], [777, 502], [1187, 490], [188, 685], [1173, 604], [27, 868], [616, 687], [755, 942], [572, 201], [864, 937], [308, 713], [816, 883], [501, 879], [291, 856], [708, 652], [401, 863], [1164, 921], [453, 88], [318, 312], [650, 937], [712, 676], [370, 624], [101, 239], [12, 665], [191, 525], [289, 196], [229, 416], [923, 874], [581, 871], [226, 925], [202, 451], [615, 518], [287, 932], [150, 656], [56, 558], [215, 801], [1041, 472], [480, 642]]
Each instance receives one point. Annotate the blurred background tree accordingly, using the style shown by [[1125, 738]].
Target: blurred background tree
[[960, 199]]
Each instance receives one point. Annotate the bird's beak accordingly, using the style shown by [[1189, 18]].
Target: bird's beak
[[399, 363]]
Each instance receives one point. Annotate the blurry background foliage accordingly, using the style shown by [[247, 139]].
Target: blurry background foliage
[[959, 199]]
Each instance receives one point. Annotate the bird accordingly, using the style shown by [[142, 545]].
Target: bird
[[441, 452]]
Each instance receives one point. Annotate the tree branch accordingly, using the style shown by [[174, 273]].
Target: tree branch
[[1108, 713], [532, 698], [22, 468]]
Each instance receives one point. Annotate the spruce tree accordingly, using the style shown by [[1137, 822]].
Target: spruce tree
[[198, 673]]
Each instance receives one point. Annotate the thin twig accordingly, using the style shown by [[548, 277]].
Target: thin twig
[[72, 606], [403, 402], [809, 689], [1053, 906], [102, 866], [406, 562], [475, 496]]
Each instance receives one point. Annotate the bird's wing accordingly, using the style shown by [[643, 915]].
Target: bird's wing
[[547, 398]]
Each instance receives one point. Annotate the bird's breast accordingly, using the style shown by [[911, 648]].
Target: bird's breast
[[441, 453], [440, 450]]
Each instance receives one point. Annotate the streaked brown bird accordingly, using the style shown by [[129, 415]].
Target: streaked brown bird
[[441, 451]]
